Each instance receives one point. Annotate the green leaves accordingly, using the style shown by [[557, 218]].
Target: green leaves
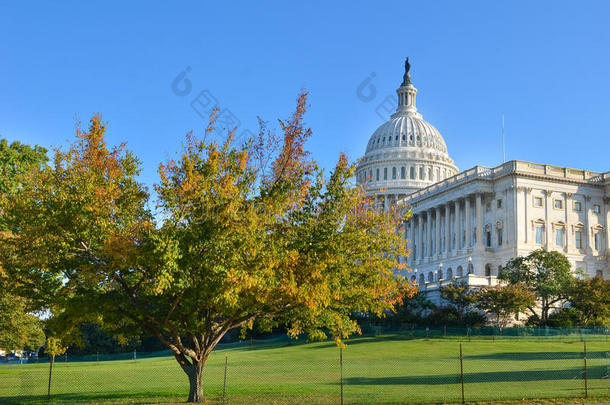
[[546, 273]]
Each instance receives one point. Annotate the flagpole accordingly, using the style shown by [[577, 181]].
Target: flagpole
[[503, 148]]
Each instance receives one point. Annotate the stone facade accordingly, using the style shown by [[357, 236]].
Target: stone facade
[[471, 224], [466, 225]]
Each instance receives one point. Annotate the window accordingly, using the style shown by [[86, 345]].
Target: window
[[396, 138], [596, 208], [487, 207], [404, 137], [421, 279], [384, 139], [488, 270], [499, 237], [599, 274], [488, 239], [403, 173], [559, 236], [598, 240], [577, 206], [440, 275], [460, 271], [578, 239], [449, 273], [537, 201], [412, 173], [393, 173], [385, 173], [539, 234], [557, 204], [430, 277], [430, 174], [377, 175], [421, 173], [500, 203]]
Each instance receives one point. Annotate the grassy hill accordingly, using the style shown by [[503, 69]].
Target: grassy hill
[[384, 369]]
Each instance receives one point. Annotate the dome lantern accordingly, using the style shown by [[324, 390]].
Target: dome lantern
[[405, 153]]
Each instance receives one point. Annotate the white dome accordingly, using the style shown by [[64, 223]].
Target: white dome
[[405, 153]]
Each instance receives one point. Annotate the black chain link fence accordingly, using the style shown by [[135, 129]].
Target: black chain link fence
[[410, 365]]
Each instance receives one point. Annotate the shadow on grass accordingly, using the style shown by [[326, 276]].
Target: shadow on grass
[[536, 356], [97, 397], [482, 377]]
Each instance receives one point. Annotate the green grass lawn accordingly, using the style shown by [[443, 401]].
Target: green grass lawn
[[384, 369]]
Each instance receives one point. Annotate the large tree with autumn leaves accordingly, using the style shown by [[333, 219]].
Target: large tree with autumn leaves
[[242, 233]]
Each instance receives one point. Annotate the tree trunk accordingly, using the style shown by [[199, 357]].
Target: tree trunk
[[194, 373]]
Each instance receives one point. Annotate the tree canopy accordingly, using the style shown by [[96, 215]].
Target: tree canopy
[[547, 274], [503, 301], [19, 329], [247, 232]]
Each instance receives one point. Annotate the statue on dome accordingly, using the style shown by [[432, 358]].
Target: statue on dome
[[406, 79]]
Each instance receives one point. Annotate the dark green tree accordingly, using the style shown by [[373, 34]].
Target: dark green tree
[[547, 274], [590, 299], [503, 301], [19, 328], [459, 296]]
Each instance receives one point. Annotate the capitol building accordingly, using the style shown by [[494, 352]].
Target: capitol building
[[466, 225]]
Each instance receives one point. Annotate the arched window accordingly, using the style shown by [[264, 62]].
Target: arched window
[[393, 173], [460, 271], [421, 173], [449, 273], [403, 172], [430, 175], [377, 175], [413, 279], [412, 173], [421, 280], [488, 270], [499, 270], [440, 275], [385, 173], [431, 277], [470, 268]]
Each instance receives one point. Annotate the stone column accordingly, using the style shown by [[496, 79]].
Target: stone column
[[420, 239], [479, 214], [428, 230], [447, 228], [467, 222], [456, 226], [526, 191], [606, 212], [587, 235], [568, 209], [547, 223], [437, 237]]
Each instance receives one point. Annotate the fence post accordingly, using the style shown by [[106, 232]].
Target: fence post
[[445, 331], [51, 360], [427, 331], [462, 373], [97, 356], [585, 374], [134, 354], [224, 384], [341, 371]]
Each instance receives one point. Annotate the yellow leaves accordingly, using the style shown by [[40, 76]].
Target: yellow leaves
[[54, 347]]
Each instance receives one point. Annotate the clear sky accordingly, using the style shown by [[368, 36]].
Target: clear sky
[[545, 65]]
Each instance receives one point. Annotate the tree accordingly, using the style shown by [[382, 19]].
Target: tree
[[504, 301], [590, 298], [546, 273], [53, 348], [19, 329], [458, 295], [248, 233]]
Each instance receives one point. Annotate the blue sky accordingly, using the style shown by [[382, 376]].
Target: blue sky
[[545, 65]]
